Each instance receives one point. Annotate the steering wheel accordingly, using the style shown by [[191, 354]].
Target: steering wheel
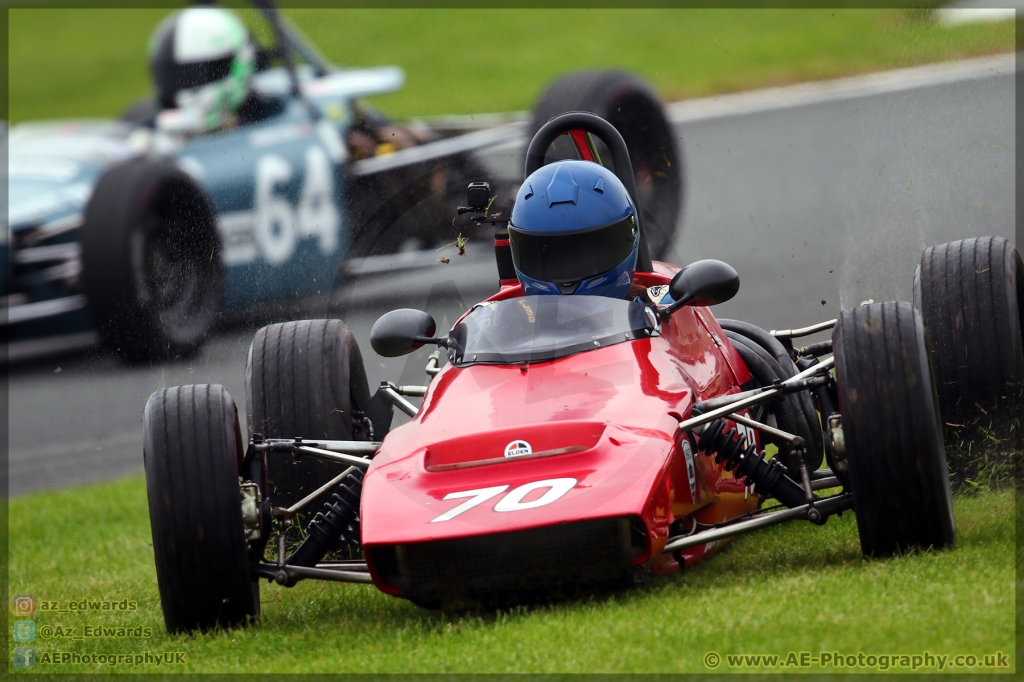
[[580, 125]]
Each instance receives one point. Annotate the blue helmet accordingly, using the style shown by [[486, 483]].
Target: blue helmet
[[573, 230]]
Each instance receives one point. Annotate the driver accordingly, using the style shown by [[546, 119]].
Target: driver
[[202, 60], [573, 231]]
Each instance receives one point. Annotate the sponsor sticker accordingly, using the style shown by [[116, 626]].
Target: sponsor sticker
[[656, 293], [691, 472], [517, 448]]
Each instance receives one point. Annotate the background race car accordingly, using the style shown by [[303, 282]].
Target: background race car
[[150, 232]]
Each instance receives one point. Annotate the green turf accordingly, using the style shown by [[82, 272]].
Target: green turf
[[93, 62], [790, 588]]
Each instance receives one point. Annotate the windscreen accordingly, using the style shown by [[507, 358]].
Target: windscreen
[[538, 328]]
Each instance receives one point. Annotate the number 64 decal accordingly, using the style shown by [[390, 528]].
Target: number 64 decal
[[513, 501]]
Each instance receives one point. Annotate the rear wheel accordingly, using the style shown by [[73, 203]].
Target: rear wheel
[[150, 261], [971, 296], [307, 379], [192, 452], [631, 106], [892, 432]]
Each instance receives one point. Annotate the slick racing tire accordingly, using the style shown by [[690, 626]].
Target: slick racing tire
[[307, 379], [631, 106], [971, 296], [193, 451], [150, 261], [893, 436]]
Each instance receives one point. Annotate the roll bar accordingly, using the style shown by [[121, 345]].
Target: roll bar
[[595, 125]]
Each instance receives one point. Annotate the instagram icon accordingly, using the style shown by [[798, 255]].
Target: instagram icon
[[24, 605]]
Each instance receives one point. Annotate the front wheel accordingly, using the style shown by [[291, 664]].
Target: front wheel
[[151, 266], [192, 452], [892, 432]]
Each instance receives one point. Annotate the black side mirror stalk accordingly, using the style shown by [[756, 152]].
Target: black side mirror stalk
[[402, 331], [702, 283]]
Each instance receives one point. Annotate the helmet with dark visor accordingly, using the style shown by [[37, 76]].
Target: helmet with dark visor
[[572, 256]]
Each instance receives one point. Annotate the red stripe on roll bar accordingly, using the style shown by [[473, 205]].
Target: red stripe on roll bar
[[579, 138]]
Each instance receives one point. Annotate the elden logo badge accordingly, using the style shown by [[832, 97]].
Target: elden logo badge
[[518, 448]]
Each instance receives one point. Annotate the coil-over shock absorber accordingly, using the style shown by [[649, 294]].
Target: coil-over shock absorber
[[769, 476], [335, 525]]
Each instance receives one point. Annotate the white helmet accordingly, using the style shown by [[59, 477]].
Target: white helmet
[[201, 59]]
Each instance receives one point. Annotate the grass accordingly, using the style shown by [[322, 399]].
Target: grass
[[74, 63], [984, 447], [789, 588]]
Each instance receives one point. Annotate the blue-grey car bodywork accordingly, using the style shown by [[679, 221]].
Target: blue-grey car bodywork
[[277, 187]]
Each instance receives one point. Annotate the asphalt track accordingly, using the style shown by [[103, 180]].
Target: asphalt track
[[820, 196]]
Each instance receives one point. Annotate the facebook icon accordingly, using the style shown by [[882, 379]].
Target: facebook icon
[[24, 657]]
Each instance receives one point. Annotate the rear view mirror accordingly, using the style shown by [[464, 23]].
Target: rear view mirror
[[704, 283], [401, 332]]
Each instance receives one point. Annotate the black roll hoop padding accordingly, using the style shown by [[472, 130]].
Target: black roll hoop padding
[[595, 125]]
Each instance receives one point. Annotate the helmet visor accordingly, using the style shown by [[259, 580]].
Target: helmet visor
[[193, 74], [571, 257]]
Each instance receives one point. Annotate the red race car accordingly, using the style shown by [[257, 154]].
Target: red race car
[[568, 441]]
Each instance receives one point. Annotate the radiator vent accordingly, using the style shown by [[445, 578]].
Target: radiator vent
[[503, 568]]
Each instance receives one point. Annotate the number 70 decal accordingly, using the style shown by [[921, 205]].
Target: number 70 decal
[[513, 501]]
